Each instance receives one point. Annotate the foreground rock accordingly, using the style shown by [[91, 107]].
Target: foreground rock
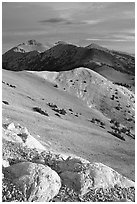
[[39, 183], [37, 175], [83, 177]]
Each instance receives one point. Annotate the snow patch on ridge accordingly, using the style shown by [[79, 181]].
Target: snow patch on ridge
[[49, 76]]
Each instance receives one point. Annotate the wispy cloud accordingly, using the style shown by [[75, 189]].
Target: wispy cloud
[[55, 20], [114, 38], [124, 37], [67, 21], [107, 40], [91, 22]]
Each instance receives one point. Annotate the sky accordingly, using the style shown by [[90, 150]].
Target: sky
[[109, 24]]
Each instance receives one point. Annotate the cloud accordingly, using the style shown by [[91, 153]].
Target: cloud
[[56, 20], [107, 40], [69, 21], [114, 38], [91, 22], [124, 37]]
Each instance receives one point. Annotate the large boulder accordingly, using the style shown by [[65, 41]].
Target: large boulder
[[93, 176], [39, 183], [73, 164]]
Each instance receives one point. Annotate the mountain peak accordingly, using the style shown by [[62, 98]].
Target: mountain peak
[[31, 45], [30, 42], [33, 42], [61, 42], [96, 46]]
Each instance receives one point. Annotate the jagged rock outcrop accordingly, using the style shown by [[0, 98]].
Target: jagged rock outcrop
[[39, 183], [19, 134], [31, 45]]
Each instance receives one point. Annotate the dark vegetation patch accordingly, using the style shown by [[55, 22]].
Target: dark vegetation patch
[[57, 115], [129, 119], [123, 84], [30, 98], [119, 129], [56, 109], [39, 110], [10, 85], [5, 102], [114, 133], [112, 97], [97, 122], [56, 86], [118, 107]]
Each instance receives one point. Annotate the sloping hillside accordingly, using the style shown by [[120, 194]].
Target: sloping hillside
[[61, 121], [96, 91]]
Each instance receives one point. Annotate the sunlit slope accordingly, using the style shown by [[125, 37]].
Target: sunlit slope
[[114, 101]]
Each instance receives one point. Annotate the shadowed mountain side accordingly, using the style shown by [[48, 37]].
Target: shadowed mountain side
[[63, 57]]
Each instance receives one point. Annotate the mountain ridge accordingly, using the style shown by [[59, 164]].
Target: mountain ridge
[[63, 57]]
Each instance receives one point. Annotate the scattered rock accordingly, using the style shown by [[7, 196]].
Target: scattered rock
[[31, 142], [11, 126], [39, 183], [5, 163]]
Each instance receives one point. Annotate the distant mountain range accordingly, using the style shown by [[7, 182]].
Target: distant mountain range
[[63, 56]]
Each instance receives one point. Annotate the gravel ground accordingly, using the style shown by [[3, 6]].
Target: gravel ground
[[116, 194], [11, 192]]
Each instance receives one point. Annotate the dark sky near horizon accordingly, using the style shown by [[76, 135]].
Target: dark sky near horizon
[[109, 24]]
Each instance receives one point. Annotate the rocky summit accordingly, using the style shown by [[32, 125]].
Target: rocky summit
[[68, 123]]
